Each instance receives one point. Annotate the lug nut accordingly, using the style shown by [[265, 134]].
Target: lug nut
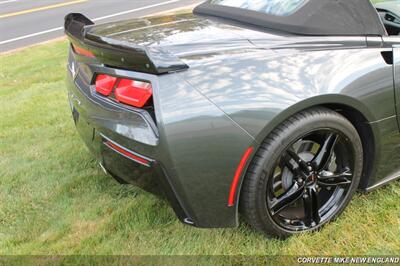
[[309, 168]]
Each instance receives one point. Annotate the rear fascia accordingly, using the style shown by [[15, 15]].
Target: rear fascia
[[195, 147], [101, 120]]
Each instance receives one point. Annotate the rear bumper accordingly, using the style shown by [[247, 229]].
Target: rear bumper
[[114, 133]]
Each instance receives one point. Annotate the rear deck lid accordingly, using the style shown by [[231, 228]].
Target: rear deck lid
[[155, 45]]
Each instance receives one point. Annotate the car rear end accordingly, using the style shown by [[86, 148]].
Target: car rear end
[[146, 123], [111, 88]]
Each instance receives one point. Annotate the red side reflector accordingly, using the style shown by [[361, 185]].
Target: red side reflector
[[105, 84], [133, 92], [127, 153], [238, 173], [82, 51]]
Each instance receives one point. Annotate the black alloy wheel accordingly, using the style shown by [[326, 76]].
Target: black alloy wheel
[[304, 174]]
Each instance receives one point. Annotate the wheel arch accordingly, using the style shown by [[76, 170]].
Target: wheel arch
[[352, 109], [366, 133]]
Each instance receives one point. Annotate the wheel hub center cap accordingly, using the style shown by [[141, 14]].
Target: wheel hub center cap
[[312, 178]]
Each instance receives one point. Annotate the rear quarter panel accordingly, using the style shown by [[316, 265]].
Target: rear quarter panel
[[259, 89], [200, 147]]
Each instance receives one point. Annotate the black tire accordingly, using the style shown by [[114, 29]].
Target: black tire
[[258, 200]]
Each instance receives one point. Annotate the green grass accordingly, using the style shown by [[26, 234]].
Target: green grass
[[55, 200]]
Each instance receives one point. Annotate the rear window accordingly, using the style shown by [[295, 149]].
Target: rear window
[[272, 7]]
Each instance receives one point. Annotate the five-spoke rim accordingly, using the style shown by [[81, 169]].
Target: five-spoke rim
[[311, 180]]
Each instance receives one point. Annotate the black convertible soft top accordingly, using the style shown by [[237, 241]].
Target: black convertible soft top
[[315, 17]]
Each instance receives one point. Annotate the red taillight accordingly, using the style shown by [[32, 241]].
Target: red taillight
[[105, 84], [82, 51], [238, 173], [132, 92]]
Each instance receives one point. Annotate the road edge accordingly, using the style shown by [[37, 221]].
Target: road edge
[[182, 9]]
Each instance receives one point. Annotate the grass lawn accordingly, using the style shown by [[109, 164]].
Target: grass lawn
[[54, 199]]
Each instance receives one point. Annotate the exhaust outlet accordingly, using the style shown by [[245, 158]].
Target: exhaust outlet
[[103, 168]]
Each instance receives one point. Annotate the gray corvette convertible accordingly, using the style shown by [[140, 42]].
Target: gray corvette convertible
[[279, 110]]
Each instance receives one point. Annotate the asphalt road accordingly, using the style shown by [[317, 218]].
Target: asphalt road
[[26, 22]]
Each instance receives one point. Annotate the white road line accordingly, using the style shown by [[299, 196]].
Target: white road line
[[95, 19], [135, 10], [7, 1], [31, 35]]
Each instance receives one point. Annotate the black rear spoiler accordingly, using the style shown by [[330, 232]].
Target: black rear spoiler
[[120, 54]]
